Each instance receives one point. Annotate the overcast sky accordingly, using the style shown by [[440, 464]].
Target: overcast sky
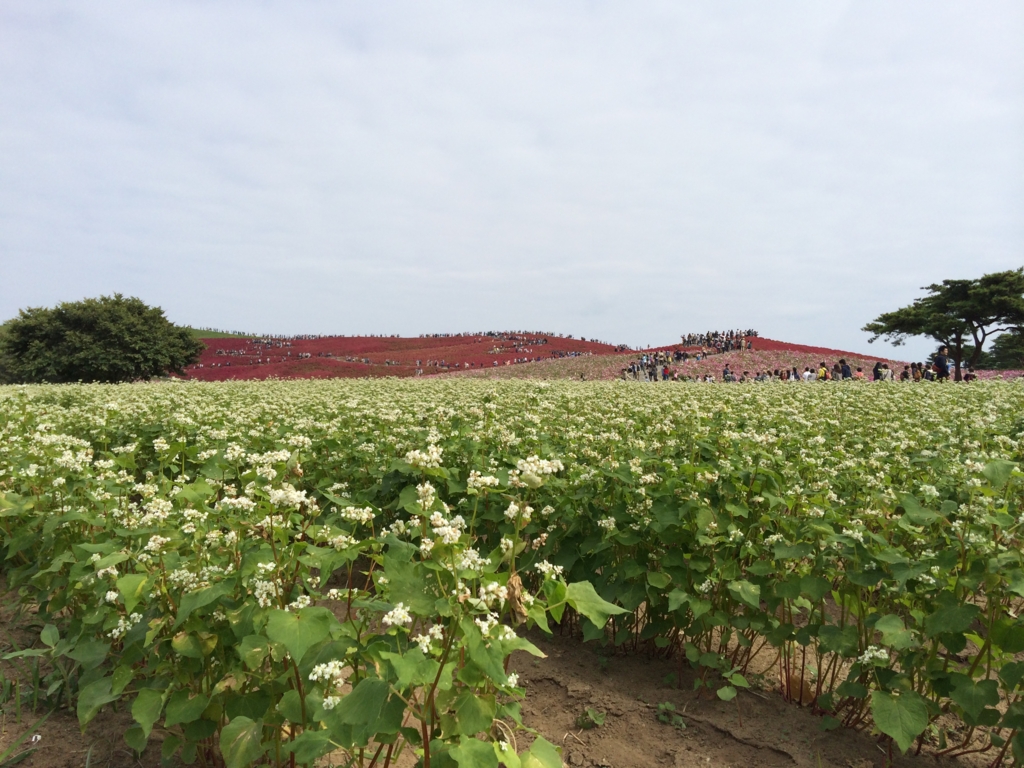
[[626, 171]]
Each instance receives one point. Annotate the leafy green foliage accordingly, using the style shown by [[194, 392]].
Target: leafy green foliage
[[357, 561], [109, 339]]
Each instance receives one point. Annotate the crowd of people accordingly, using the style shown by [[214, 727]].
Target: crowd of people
[[656, 366]]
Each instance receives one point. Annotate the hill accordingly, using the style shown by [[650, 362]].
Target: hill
[[234, 357]]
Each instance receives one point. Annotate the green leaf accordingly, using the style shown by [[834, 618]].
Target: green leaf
[[815, 587], [998, 471], [89, 653], [974, 696], [542, 754], [894, 634], [146, 709], [914, 512], [792, 551], [183, 707], [253, 650], [902, 717], [1011, 674], [658, 579], [746, 592], [584, 599], [131, 588], [92, 698], [951, 620], [199, 599], [473, 753], [241, 742], [299, 631], [364, 703], [413, 667], [136, 738], [727, 693], [676, 598], [475, 713], [308, 746], [50, 636]]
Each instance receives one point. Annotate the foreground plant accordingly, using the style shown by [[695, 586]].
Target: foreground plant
[[268, 570]]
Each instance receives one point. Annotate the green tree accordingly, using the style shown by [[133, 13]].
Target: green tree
[[1007, 351], [109, 339], [956, 313]]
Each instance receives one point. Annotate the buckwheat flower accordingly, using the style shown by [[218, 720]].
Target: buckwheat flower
[[854, 534], [302, 601], [110, 597], [608, 523], [470, 560], [512, 512], [160, 445], [423, 641], [478, 481], [426, 495], [705, 586], [155, 543], [929, 491], [330, 702], [425, 546], [332, 673], [491, 592], [58, 482], [873, 654], [429, 459], [487, 623], [513, 681], [397, 616], [550, 571]]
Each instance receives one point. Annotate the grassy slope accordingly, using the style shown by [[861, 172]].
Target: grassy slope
[[201, 334]]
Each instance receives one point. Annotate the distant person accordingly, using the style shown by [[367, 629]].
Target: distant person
[[844, 370], [942, 364], [859, 375], [876, 372]]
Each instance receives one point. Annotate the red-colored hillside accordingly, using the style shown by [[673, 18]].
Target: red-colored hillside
[[347, 356], [354, 356]]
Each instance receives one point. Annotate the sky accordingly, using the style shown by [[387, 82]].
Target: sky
[[622, 171]]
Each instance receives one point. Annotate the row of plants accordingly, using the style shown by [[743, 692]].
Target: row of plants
[[274, 571]]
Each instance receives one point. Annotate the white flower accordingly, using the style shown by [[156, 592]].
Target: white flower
[[155, 543], [300, 602], [397, 616], [330, 702], [429, 459], [477, 481], [874, 654], [110, 597], [513, 680], [550, 571], [608, 523], [491, 592], [426, 495]]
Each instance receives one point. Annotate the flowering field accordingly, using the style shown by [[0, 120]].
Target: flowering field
[[374, 356], [271, 571]]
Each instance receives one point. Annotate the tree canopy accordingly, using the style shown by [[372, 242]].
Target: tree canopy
[[109, 339], [959, 314]]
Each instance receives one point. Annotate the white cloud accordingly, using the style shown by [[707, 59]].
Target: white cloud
[[625, 171]]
